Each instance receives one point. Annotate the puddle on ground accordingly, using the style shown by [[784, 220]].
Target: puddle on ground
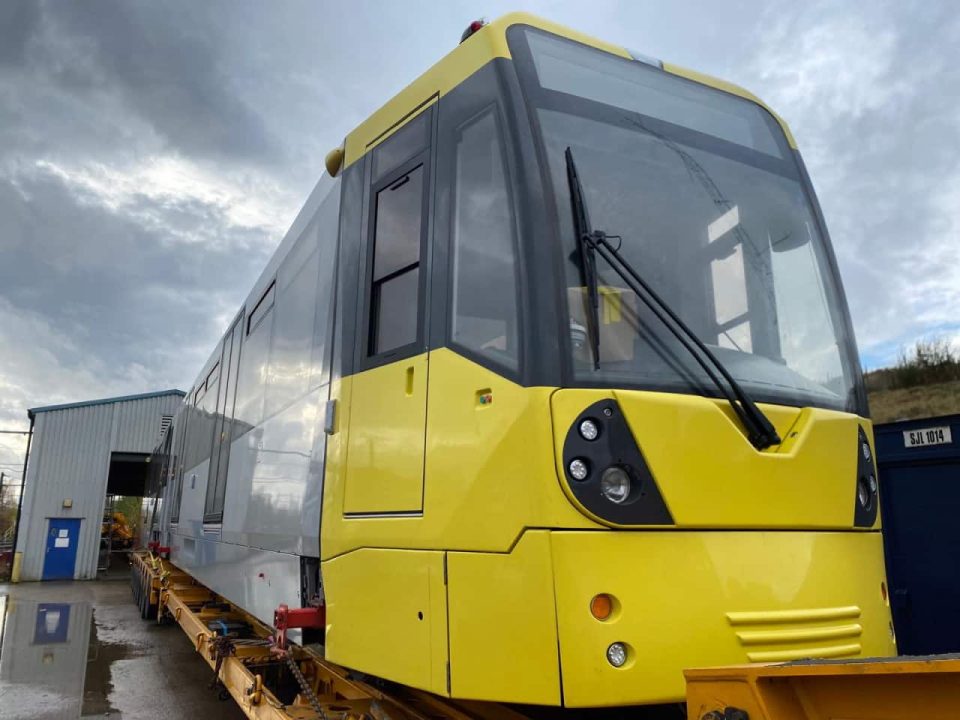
[[52, 664]]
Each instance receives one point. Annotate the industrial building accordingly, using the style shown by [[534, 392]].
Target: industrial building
[[80, 454]]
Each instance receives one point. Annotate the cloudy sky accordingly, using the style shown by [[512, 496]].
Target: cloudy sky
[[153, 153]]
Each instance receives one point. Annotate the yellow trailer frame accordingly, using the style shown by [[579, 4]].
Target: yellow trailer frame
[[881, 689], [905, 688]]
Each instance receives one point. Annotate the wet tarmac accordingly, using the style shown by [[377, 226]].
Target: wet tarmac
[[80, 650]]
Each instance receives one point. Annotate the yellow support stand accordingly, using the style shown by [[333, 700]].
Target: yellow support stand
[[15, 570], [906, 688]]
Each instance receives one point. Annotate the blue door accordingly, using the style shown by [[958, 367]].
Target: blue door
[[61, 556]]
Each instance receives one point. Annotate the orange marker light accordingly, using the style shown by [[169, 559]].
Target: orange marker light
[[601, 606]]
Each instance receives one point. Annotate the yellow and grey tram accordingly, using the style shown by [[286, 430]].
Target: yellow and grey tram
[[549, 393]]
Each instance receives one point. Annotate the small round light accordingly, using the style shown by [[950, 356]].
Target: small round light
[[579, 469], [601, 606], [863, 493], [615, 484], [865, 447], [617, 654], [589, 430], [872, 482]]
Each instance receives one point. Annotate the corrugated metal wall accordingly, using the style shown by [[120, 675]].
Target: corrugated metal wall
[[70, 458]]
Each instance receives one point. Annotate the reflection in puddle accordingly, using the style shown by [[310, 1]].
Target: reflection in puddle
[[51, 662]]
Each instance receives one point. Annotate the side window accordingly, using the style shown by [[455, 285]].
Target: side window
[[178, 460], [394, 291], [222, 423], [296, 304], [396, 240], [248, 407], [484, 314]]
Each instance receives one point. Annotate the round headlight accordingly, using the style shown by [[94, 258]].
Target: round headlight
[[589, 430], [865, 447], [863, 493], [615, 484], [579, 469], [872, 482], [617, 654]]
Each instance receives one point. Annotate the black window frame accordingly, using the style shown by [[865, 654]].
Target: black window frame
[[224, 418], [268, 295], [368, 359], [176, 494]]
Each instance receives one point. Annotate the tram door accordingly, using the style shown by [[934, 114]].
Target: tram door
[[388, 405]]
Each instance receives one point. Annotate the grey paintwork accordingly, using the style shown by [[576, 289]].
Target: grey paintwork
[[271, 513]]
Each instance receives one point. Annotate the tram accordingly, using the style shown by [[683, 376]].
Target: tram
[[549, 392]]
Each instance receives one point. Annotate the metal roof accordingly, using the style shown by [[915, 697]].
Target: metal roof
[[104, 401]]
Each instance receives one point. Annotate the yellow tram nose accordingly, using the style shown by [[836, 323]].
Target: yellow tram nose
[[703, 598]]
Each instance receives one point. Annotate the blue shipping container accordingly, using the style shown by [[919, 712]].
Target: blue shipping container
[[919, 466]]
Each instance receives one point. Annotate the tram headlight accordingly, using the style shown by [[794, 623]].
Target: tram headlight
[[615, 484], [617, 654], [579, 469], [864, 491], [589, 430]]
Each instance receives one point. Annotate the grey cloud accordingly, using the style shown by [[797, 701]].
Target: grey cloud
[[873, 99], [120, 298], [117, 292], [162, 62], [19, 20]]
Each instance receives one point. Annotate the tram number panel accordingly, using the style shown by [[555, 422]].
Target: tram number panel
[[927, 436]]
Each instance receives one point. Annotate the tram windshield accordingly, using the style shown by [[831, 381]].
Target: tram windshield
[[711, 207]]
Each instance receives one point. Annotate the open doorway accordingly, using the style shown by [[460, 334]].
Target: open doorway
[[119, 529]]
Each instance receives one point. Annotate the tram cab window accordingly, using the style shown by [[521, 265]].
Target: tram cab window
[[484, 249], [396, 263]]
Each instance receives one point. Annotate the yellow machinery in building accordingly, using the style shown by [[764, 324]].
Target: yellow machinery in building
[[577, 407]]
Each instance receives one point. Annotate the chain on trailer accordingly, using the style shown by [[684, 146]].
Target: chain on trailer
[[270, 679]]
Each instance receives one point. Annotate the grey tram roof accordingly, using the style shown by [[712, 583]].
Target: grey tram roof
[[104, 401]]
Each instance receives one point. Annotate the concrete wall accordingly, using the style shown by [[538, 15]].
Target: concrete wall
[[70, 459]]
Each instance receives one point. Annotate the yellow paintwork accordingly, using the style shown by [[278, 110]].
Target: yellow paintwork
[[418, 469], [385, 441], [724, 481], [503, 635], [456, 66], [489, 475], [387, 615], [677, 592]]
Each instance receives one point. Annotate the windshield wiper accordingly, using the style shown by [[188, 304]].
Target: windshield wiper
[[588, 260], [760, 430]]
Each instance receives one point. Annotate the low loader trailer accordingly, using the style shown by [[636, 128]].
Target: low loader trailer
[[272, 678]]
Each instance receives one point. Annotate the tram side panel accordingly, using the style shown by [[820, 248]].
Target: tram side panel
[[247, 496]]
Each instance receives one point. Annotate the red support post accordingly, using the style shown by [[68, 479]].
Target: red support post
[[286, 619]]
